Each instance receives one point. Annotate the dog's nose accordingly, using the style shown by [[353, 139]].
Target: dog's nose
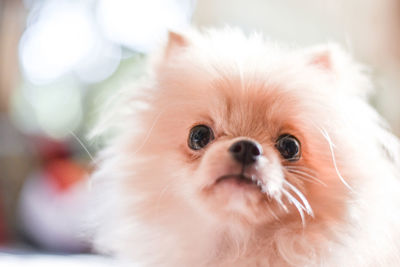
[[245, 151]]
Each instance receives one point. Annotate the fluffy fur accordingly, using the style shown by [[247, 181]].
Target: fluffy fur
[[158, 204]]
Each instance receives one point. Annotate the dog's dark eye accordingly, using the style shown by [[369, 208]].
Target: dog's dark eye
[[289, 147], [200, 136]]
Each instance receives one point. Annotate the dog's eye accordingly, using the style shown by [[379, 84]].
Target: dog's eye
[[289, 147], [200, 136]]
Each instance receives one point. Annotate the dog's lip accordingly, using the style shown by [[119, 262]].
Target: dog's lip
[[242, 179]]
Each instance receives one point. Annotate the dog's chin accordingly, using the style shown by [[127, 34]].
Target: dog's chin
[[237, 197]]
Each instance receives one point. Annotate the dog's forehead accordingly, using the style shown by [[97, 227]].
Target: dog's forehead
[[238, 101], [248, 107]]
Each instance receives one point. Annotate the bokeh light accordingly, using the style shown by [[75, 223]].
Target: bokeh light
[[140, 25], [60, 39], [84, 43]]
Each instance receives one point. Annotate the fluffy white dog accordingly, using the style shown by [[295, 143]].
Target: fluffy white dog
[[244, 153]]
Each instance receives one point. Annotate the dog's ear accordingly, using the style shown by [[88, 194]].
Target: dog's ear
[[176, 41], [330, 58], [339, 67], [327, 57], [322, 58]]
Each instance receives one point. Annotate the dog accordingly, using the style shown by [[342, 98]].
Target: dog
[[237, 151]]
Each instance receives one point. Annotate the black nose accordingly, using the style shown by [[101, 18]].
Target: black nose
[[245, 151]]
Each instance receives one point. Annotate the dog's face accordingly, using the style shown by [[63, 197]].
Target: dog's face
[[245, 152], [241, 139]]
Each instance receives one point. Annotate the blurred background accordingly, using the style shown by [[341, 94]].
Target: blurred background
[[60, 60]]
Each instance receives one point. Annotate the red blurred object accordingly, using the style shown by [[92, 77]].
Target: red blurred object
[[52, 206], [49, 149], [58, 165], [54, 199], [64, 173]]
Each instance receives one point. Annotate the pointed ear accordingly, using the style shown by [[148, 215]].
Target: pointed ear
[[329, 58], [340, 67], [326, 57], [175, 42], [322, 59]]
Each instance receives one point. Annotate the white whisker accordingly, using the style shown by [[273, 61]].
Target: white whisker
[[306, 176], [161, 195], [307, 206], [296, 203], [331, 146], [283, 206], [273, 213], [302, 168], [84, 147], [148, 133]]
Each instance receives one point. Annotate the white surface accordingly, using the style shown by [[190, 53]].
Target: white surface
[[44, 260]]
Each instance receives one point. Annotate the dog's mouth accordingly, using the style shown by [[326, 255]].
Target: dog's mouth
[[240, 180]]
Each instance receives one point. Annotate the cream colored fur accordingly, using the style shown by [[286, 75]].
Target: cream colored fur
[[339, 205]]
